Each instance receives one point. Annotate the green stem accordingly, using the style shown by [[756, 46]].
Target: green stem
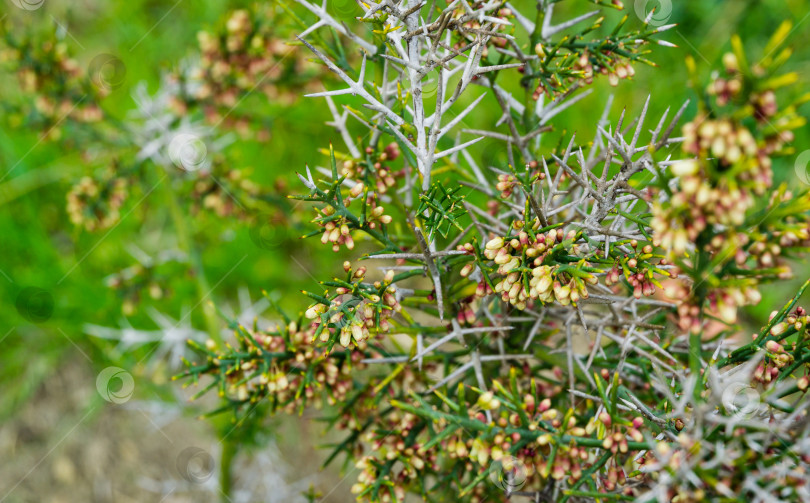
[[181, 225], [695, 346], [225, 472]]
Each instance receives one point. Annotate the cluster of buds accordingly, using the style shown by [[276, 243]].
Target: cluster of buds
[[616, 436], [96, 205], [506, 185], [528, 274], [715, 193], [62, 89], [246, 55], [392, 489], [466, 312], [780, 348], [688, 313], [219, 193], [131, 282], [778, 358], [468, 31], [290, 381], [392, 443], [694, 207], [373, 169], [765, 106], [639, 271], [546, 457], [354, 313], [723, 140], [727, 89], [337, 227], [618, 71], [723, 303], [767, 249], [585, 66]]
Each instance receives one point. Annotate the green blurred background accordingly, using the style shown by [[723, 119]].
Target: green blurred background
[[59, 440]]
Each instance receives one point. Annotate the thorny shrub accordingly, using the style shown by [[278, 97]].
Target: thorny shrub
[[562, 326]]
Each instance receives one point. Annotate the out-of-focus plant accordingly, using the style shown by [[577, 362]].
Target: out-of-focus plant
[[560, 327], [181, 129], [173, 144]]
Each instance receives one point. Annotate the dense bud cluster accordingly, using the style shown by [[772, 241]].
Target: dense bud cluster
[[529, 273], [63, 90], [718, 192], [356, 311], [297, 374], [96, 204], [337, 227], [469, 27], [135, 282], [373, 168], [409, 461], [244, 56], [221, 190], [602, 62]]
